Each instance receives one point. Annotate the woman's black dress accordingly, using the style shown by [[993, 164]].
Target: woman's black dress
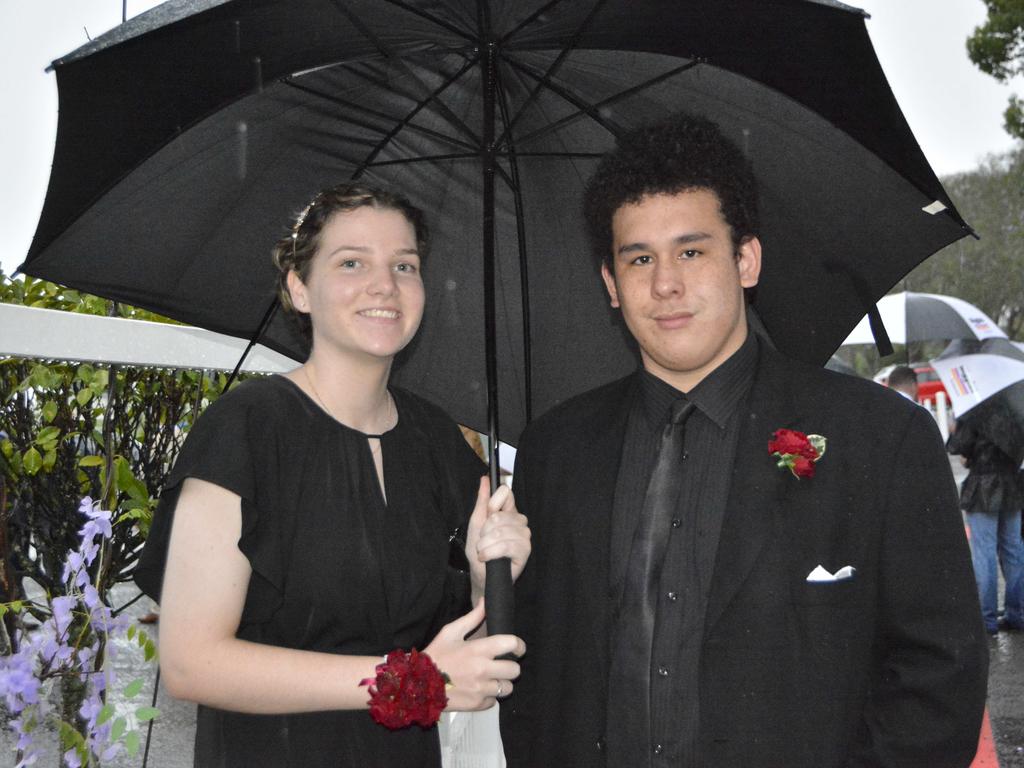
[[334, 569]]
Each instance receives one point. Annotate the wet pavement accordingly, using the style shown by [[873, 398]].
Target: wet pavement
[[1006, 697]]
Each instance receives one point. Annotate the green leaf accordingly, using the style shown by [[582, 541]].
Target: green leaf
[[131, 743], [47, 435], [49, 411], [118, 729], [32, 460], [83, 396], [42, 377], [150, 652], [145, 714], [84, 373], [127, 482], [70, 738], [16, 606], [91, 461], [49, 459], [132, 689], [6, 448], [131, 632], [105, 714]]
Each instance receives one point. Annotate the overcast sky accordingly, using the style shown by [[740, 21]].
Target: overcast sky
[[954, 110]]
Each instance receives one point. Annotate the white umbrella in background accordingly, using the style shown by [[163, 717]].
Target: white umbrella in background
[[912, 317], [972, 379]]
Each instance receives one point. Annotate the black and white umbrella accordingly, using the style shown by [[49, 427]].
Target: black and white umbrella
[[910, 317]]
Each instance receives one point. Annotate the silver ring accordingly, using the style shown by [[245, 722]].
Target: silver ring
[[498, 694]]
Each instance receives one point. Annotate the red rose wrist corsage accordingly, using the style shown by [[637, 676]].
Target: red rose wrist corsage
[[408, 688], [796, 451]]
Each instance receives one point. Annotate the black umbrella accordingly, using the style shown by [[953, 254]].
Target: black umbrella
[[191, 134]]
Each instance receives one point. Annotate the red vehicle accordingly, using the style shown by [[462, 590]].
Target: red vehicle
[[928, 381]]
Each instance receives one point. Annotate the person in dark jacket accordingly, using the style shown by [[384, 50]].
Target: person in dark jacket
[[752, 597], [992, 498]]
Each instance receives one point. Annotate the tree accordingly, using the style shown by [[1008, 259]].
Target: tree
[[988, 272], [997, 49]]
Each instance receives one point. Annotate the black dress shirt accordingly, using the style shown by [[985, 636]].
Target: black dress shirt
[[710, 447]]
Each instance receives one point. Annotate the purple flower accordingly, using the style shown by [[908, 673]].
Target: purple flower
[[18, 682], [110, 752], [76, 566], [89, 550], [25, 744], [99, 520], [91, 596], [52, 651], [62, 608], [91, 707]]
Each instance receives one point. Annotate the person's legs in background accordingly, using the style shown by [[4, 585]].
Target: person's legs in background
[[1011, 558], [984, 528]]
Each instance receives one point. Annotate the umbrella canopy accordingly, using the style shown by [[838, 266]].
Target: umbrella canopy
[[988, 390], [190, 136], [909, 317], [972, 379]]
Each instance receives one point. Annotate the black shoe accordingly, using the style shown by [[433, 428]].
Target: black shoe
[[1006, 626]]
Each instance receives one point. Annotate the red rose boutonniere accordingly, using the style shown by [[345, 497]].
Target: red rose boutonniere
[[408, 688], [796, 451]]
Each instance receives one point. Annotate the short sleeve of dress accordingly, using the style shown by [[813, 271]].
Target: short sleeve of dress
[[225, 448]]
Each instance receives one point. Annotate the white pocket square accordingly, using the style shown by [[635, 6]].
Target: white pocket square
[[820, 573]]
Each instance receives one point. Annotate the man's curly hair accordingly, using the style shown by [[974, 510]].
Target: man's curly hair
[[682, 153]]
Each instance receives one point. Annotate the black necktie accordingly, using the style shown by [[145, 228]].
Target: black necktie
[[628, 728]]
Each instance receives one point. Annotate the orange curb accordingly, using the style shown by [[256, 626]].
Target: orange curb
[[986, 756]]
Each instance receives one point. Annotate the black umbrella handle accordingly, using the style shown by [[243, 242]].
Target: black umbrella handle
[[499, 597]]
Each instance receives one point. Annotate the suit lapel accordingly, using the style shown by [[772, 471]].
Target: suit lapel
[[595, 475], [758, 485]]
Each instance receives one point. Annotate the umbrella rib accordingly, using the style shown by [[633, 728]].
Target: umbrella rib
[[433, 19], [445, 112], [545, 81], [476, 156], [570, 97], [592, 109], [369, 160], [524, 281], [421, 159], [374, 113]]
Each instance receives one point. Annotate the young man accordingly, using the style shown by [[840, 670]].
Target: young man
[[694, 600]]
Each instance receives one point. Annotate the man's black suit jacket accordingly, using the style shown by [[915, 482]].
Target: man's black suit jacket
[[887, 668]]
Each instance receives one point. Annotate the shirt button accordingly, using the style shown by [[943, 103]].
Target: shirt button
[[658, 749], [663, 671], [676, 522], [600, 744], [672, 596]]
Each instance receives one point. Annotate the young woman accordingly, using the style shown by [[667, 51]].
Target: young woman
[[311, 521]]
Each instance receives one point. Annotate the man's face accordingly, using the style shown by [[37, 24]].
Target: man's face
[[679, 283]]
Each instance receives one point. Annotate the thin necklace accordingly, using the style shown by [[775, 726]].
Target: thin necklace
[[312, 386]]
